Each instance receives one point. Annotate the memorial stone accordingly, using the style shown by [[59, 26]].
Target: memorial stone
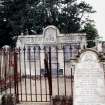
[[50, 37], [89, 83]]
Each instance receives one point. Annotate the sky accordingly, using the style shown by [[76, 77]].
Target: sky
[[99, 16]]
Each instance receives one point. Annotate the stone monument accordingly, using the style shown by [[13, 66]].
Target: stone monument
[[51, 37], [89, 83]]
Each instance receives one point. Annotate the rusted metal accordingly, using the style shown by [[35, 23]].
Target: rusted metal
[[47, 63], [16, 77], [71, 86], [25, 82], [49, 73]]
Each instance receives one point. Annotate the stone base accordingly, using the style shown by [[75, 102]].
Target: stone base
[[61, 100], [7, 99]]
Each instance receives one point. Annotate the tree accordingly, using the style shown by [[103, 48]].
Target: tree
[[91, 34], [34, 15], [11, 20], [5, 34], [67, 15]]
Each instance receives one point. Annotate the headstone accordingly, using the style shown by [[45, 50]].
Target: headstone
[[50, 35], [89, 83]]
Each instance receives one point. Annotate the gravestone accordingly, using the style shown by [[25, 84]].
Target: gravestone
[[50, 35], [89, 84]]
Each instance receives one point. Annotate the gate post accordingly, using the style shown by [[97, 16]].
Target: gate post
[[47, 63], [50, 74], [72, 85], [16, 77]]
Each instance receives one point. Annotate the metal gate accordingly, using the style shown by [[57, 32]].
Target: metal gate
[[37, 72]]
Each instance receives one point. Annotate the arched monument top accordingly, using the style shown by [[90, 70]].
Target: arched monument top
[[88, 49], [88, 55], [50, 34], [6, 46], [51, 27]]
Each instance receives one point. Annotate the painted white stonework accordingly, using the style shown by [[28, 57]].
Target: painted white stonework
[[50, 37], [99, 46], [89, 83]]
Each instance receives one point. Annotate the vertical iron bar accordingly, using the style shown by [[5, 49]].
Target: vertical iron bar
[[9, 68], [40, 72], [25, 72], [57, 70], [47, 63], [71, 85], [29, 49], [2, 70], [71, 51], [35, 73], [78, 48], [49, 73], [20, 73], [16, 76], [64, 69], [45, 68], [5, 61]]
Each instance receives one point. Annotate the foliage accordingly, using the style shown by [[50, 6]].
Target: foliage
[[67, 15], [11, 20], [34, 15], [91, 33]]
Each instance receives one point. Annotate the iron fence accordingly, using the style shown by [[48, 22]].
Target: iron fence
[[36, 73]]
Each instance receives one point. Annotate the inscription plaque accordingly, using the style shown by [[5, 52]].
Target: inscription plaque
[[50, 36], [89, 84]]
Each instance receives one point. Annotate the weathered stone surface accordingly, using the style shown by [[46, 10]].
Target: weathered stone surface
[[51, 35], [89, 84]]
